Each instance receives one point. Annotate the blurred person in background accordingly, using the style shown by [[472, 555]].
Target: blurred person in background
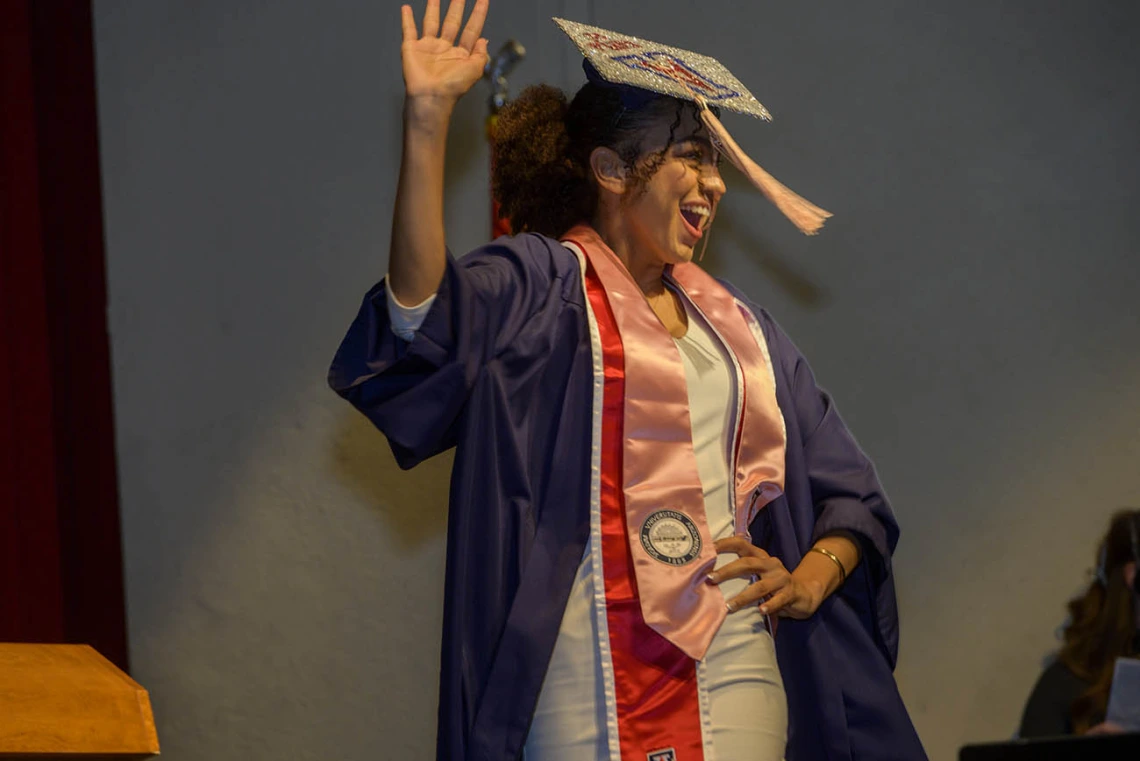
[[1071, 696]]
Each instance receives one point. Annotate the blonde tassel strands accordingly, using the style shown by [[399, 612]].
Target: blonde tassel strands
[[705, 242], [805, 215]]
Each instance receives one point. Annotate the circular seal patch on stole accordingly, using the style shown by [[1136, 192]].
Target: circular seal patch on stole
[[670, 537]]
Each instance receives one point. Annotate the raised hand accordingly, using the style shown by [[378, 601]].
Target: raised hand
[[436, 64], [439, 66]]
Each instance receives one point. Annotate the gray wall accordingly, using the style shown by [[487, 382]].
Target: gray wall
[[972, 307]]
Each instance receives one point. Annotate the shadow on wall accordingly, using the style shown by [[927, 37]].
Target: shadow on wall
[[735, 230], [413, 504], [761, 252]]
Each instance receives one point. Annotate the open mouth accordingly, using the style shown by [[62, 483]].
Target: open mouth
[[696, 217]]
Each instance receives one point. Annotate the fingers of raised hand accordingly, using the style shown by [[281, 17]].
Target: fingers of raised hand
[[408, 22], [431, 19], [474, 26], [450, 29], [469, 41]]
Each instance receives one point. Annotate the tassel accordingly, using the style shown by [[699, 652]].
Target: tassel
[[805, 215], [705, 242]]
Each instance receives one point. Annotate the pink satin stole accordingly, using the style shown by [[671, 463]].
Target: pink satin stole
[[660, 477]]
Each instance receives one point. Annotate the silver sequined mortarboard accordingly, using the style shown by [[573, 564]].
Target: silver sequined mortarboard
[[626, 60]]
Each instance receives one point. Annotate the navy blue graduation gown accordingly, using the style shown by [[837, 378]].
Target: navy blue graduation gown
[[502, 369]]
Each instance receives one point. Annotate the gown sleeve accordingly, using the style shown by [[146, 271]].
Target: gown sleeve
[[846, 494], [845, 487], [415, 391], [843, 701]]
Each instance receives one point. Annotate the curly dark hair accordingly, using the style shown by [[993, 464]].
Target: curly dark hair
[[542, 147], [1102, 622]]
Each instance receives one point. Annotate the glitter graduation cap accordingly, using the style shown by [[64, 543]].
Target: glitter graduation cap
[[627, 61]]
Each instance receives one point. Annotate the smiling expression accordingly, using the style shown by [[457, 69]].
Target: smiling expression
[[667, 216]]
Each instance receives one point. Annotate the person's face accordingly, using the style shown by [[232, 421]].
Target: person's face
[[670, 214]]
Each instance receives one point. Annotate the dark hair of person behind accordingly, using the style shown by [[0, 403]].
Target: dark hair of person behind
[[1102, 622], [542, 147]]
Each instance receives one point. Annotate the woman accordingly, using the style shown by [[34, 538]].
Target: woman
[[1071, 696], [625, 425]]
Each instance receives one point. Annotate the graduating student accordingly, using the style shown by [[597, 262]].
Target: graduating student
[[646, 473]]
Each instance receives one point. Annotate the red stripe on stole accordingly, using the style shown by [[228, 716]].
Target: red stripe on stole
[[656, 683]]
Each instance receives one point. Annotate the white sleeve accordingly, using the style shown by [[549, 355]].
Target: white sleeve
[[406, 321]]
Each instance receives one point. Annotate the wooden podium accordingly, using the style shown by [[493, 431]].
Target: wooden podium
[[67, 701]]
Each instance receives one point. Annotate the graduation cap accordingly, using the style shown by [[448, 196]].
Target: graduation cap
[[639, 67]]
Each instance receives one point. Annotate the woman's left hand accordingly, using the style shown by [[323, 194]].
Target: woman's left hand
[[787, 596]]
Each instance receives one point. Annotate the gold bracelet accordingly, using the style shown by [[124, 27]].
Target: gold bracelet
[[830, 554]]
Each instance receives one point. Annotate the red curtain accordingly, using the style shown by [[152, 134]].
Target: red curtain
[[61, 572]]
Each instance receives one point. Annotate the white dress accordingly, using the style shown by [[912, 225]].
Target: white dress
[[747, 708]]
